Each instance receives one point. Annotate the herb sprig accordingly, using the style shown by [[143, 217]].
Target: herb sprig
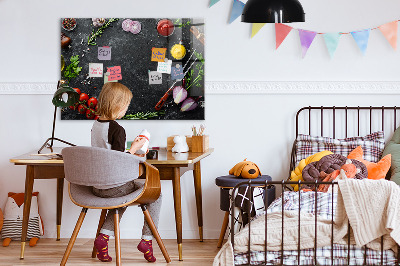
[[142, 115], [72, 70], [92, 37]]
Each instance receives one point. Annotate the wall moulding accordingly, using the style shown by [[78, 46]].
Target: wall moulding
[[248, 87]]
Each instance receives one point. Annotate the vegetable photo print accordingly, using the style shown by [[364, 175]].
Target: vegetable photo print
[[161, 60]]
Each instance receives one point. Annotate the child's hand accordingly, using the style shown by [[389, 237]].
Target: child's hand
[[137, 144], [142, 155]]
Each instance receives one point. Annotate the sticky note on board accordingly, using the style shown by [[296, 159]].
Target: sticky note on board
[[104, 53], [115, 73], [106, 75], [95, 70], [177, 72], [158, 54], [155, 77], [164, 67]]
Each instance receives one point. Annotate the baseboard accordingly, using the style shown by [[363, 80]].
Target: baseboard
[[135, 233], [248, 87]]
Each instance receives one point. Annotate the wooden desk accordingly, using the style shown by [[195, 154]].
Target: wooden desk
[[169, 165]]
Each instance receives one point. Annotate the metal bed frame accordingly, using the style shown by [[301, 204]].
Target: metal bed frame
[[284, 184]]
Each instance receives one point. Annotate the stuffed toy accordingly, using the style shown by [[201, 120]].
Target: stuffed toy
[[296, 174], [180, 144], [375, 170], [245, 169], [13, 215]]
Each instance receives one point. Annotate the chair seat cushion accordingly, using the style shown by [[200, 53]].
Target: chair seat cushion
[[83, 195]]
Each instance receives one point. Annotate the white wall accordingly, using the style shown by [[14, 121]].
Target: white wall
[[259, 127]]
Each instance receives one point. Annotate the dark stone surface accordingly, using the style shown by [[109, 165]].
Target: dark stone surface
[[133, 53]]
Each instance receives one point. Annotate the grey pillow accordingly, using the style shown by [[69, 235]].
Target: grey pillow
[[393, 148]]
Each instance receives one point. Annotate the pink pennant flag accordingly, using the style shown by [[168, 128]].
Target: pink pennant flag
[[306, 39], [389, 30], [281, 31]]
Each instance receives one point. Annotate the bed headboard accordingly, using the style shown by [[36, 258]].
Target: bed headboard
[[344, 121]]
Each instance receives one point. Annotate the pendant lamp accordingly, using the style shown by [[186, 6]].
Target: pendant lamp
[[272, 11]]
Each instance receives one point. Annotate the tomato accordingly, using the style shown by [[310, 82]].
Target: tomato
[[83, 97], [90, 114], [73, 107], [82, 109], [92, 102], [77, 90], [96, 117]]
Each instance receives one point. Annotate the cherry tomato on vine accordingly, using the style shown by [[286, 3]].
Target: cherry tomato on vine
[[96, 117], [92, 102], [73, 107], [77, 90], [82, 109], [90, 114], [83, 97]]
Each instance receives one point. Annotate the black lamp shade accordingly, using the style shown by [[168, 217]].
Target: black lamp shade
[[73, 96], [273, 11]]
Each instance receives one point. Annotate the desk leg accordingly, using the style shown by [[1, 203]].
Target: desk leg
[[27, 206], [199, 204], [176, 182], [60, 190]]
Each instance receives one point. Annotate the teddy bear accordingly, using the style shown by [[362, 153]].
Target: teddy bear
[[13, 215], [180, 144], [245, 169]]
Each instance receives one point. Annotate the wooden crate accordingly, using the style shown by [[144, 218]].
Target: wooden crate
[[171, 143]]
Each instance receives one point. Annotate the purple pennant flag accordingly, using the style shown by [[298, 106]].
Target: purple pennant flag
[[306, 39], [237, 9]]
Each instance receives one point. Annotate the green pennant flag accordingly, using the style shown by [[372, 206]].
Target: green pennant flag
[[213, 2]]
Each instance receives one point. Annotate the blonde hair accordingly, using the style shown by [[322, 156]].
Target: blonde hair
[[113, 98]]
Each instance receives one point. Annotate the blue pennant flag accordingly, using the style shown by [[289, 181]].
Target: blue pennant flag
[[237, 9], [213, 2], [332, 41], [361, 38]]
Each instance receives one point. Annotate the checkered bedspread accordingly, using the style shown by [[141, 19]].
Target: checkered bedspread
[[321, 205]]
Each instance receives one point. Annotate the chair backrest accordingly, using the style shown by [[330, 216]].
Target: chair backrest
[[92, 166]]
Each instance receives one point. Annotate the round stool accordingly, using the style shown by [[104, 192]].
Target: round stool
[[228, 182]]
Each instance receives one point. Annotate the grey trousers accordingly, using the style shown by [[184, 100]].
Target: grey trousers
[[153, 208]]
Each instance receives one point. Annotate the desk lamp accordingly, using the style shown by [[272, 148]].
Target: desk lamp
[[64, 96], [272, 11]]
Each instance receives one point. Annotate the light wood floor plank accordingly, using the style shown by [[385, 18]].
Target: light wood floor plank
[[49, 252]]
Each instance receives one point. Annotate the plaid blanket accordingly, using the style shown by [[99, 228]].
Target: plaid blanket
[[323, 205]]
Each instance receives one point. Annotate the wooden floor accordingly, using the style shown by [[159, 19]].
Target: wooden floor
[[50, 252]]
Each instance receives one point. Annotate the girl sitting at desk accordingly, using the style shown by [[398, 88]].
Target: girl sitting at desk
[[114, 100]]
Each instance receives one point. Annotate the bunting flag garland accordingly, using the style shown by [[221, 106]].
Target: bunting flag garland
[[361, 37], [213, 2], [281, 31], [389, 30], [237, 8], [332, 41], [306, 39], [256, 28]]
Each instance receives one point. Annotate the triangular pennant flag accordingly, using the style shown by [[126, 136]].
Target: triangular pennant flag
[[281, 31], [389, 30], [361, 37], [237, 9], [213, 2], [255, 28], [332, 41], [306, 39]]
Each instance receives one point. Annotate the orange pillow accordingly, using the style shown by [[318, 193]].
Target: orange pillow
[[375, 170]]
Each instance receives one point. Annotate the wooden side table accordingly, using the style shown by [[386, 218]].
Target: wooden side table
[[226, 183]]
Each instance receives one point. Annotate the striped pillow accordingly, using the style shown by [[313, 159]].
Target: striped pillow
[[372, 145]]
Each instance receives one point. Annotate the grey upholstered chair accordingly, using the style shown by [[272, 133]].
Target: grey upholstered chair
[[85, 167]]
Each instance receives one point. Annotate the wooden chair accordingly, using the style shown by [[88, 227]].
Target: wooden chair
[[85, 167]]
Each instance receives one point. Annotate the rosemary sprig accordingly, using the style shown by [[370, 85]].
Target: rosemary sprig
[[142, 115], [92, 37]]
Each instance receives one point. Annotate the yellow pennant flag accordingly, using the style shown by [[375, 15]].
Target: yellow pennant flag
[[256, 28]]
